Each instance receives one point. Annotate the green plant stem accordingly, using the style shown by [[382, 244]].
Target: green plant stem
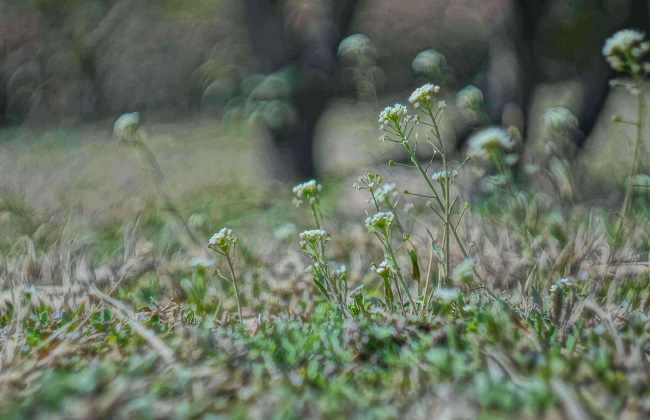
[[234, 282], [163, 189], [499, 164], [627, 201], [446, 194], [466, 255], [391, 253]]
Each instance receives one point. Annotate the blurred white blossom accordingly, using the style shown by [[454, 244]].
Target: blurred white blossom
[[126, 124], [625, 49], [485, 141], [222, 240]]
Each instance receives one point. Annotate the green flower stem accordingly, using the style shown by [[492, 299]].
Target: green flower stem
[[627, 201], [234, 282], [446, 194], [499, 164], [391, 254], [163, 189]]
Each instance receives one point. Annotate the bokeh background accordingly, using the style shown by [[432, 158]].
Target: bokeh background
[[238, 97]]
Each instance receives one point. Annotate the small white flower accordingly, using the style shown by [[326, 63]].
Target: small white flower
[[201, 262], [380, 222], [558, 121], [126, 124], [437, 176], [446, 295], [285, 231], [483, 142], [355, 45], [307, 189], [313, 268], [566, 282], [393, 113], [341, 272], [469, 99], [464, 272], [383, 269], [624, 45], [386, 190], [358, 291], [223, 240], [431, 64], [310, 237], [423, 94]]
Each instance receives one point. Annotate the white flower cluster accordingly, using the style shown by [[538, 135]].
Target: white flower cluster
[[422, 95], [307, 189], [485, 141], [222, 240], [562, 283], [385, 191], [312, 236], [625, 46], [464, 272], [380, 222], [446, 296], [430, 63], [437, 176], [469, 99], [341, 272], [394, 114], [313, 269], [126, 124], [358, 291], [557, 121], [383, 269], [356, 44]]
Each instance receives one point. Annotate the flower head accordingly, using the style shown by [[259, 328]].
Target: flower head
[[446, 296], [558, 121], [383, 269], [393, 113], [380, 222], [464, 272], [356, 45], [442, 175], [469, 99], [485, 141], [386, 190], [341, 272], [358, 291], [563, 284], [308, 190], [313, 269], [430, 64], [422, 95], [310, 237], [625, 46], [126, 125], [223, 240]]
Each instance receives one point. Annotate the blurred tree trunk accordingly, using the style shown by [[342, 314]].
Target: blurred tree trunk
[[525, 29], [315, 58]]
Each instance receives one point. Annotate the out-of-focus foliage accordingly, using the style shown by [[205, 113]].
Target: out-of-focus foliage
[[87, 58]]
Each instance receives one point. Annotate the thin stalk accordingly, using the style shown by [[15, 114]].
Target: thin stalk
[[234, 282], [419, 167], [502, 170], [163, 189], [390, 251], [446, 194], [627, 201], [425, 303]]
